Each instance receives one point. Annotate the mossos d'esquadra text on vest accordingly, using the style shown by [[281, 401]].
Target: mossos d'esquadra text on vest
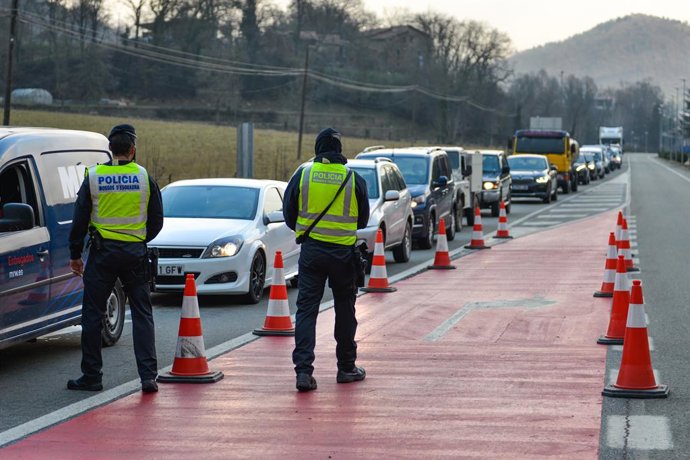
[[118, 182]]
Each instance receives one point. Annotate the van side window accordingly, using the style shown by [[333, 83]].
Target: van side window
[[445, 168], [385, 180], [17, 186], [392, 179], [436, 169], [272, 201]]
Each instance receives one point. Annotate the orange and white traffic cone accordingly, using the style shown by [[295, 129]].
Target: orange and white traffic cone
[[607, 286], [619, 308], [442, 258], [190, 365], [502, 232], [636, 375], [477, 241], [278, 320], [625, 248], [378, 278], [619, 228]]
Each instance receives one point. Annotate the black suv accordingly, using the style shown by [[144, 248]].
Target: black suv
[[429, 178]]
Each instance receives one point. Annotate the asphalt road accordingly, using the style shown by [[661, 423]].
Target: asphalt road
[[657, 428], [33, 375]]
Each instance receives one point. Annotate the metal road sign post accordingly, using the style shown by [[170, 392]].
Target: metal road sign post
[[245, 150]]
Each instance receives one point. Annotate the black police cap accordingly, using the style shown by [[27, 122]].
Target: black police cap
[[125, 128]]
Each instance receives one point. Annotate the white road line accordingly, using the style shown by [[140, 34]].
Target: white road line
[[562, 216], [544, 223], [658, 163], [643, 432]]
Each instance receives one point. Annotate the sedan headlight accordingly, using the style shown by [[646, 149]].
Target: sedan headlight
[[490, 185], [580, 167], [591, 166], [224, 247], [418, 200], [543, 179]]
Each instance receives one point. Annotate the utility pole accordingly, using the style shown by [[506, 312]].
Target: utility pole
[[10, 53], [304, 100]]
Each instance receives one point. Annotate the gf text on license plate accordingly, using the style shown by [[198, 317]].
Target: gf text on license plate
[[169, 270], [520, 187]]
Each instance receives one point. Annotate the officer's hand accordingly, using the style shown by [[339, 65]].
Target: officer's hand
[[77, 266]]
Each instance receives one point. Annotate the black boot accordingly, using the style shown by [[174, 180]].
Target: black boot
[[354, 375]]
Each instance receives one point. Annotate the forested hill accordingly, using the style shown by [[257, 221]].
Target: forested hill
[[627, 49]]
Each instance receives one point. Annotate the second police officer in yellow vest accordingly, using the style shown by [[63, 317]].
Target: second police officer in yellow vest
[[327, 253], [120, 206]]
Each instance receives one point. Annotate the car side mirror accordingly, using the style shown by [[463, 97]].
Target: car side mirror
[[16, 217], [391, 195], [553, 167], [468, 171], [274, 217], [442, 181], [505, 170]]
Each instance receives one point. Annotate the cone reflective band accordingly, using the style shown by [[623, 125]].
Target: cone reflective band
[[278, 320], [619, 307], [378, 278], [636, 375], [607, 285], [442, 258], [502, 232], [477, 232], [619, 228], [625, 248], [190, 364]]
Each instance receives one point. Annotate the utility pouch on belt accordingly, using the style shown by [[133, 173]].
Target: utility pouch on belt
[[95, 239], [151, 266], [360, 262]]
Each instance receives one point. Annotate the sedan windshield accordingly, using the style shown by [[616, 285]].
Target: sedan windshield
[[210, 202], [490, 164], [369, 175], [520, 163]]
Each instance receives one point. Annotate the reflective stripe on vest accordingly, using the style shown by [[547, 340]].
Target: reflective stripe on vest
[[318, 184], [120, 197]]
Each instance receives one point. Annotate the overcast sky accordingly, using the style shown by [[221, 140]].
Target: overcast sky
[[529, 23]]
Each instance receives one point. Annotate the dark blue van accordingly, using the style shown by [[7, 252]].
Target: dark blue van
[[41, 171]]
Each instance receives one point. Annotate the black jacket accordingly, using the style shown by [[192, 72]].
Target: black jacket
[[291, 201], [82, 215]]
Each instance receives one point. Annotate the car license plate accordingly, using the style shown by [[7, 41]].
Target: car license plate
[[169, 270], [520, 187]]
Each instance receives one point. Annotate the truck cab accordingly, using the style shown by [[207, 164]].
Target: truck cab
[[467, 174], [41, 171], [557, 145]]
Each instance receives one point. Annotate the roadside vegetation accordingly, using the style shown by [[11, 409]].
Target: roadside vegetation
[[183, 150]]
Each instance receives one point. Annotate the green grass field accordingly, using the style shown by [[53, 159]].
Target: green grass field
[[184, 150]]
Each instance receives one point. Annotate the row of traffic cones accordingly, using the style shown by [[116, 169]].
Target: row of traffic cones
[[190, 364], [627, 323]]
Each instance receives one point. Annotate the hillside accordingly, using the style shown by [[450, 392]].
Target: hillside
[[627, 49]]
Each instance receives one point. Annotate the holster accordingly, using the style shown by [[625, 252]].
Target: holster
[[359, 263], [95, 240], [151, 266]]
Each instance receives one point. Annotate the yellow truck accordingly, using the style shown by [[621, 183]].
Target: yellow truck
[[558, 146]]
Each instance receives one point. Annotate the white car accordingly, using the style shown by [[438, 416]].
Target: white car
[[226, 233]]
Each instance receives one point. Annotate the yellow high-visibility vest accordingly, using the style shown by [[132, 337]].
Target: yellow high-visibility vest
[[318, 185], [120, 198]]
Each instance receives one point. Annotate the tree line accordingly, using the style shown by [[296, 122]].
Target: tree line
[[252, 55]]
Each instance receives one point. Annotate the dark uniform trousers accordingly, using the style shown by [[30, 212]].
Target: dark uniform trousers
[[117, 259], [319, 262]]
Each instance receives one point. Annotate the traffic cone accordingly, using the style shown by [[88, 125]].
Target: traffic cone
[[378, 279], [477, 232], [619, 308], [502, 231], [442, 258], [41, 292], [190, 365], [636, 376], [278, 320], [625, 248], [619, 228], [607, 285]]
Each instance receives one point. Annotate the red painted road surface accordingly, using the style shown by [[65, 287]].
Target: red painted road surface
[[516, 374]]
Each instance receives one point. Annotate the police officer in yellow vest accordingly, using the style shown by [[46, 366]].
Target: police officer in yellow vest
[[327, 253], [120, 206]]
